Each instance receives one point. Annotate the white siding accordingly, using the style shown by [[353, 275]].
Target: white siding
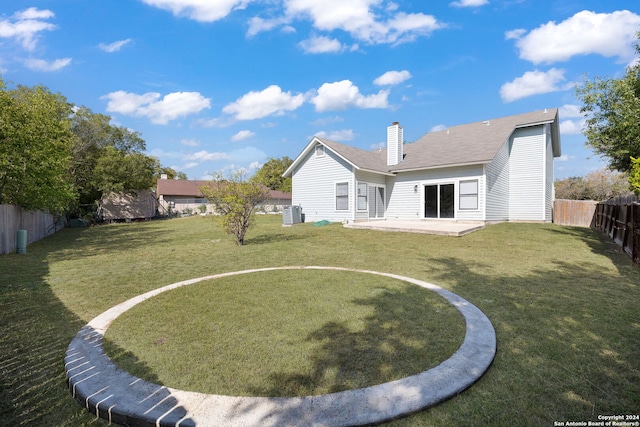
[[498, 186], [405, 200], [402, 201], [527, 175], [549, 176], [395, 139], [314, 182], [368, 178]]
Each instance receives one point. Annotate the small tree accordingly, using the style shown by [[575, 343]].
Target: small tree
[[235, 201]]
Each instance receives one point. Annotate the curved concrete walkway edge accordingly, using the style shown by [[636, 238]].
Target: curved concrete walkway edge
[[115, 395]]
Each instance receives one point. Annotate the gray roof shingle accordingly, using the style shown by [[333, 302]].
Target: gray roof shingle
[[471, 143]]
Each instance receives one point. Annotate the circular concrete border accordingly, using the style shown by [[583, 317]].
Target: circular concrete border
[[111, 393]]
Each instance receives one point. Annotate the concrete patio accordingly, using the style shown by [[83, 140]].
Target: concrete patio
[[441, 227]]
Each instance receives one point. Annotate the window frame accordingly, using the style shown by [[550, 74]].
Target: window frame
[[319, 150], [361, 197], [468, 196], [342, 197]]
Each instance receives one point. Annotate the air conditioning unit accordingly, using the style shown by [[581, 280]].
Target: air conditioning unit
[[291, 215]]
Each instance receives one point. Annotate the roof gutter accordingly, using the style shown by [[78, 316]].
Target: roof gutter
[[375, 171], [453, 165]]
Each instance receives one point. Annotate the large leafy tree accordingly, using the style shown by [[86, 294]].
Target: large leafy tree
[[119, 171], [35, 149], [270, 174], [612, 110], [56, 157], [170, 173], [634, 175], [235, 201], [98, 147]]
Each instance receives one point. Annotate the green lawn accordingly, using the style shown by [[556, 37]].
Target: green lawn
[[286, 333], [563, 301]]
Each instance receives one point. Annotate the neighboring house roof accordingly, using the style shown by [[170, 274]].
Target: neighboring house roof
[[189, 188], [279, 195], [473, 143], [180, 187]]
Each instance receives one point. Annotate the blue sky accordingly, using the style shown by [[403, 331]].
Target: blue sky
[[216, 86]]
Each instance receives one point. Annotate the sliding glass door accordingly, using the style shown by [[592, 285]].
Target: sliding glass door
[[439, 201]]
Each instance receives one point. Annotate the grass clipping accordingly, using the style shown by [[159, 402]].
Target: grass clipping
[[286, 333]]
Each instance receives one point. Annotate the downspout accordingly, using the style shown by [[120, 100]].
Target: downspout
[[484, 192], [545, 131], [353, 201]]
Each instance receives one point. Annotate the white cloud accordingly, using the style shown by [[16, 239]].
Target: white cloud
[[534, 83], [115, 46], [378, 146], [24, 26], [34, 13], [606, 34], [128, 103], [243, 134], [361, 21], [328, 121], [190, 165], [200, 10], [337, 135], [391, 78], [437, 128], [571, 127], [204, 155], [243, 159], [344, 94], [190, 142], [258, 25], [255, 166], [256, 105], [469, 3], [570, 110], [43, 65], [407, 26], [159, 111], [321, 44], [514, 34]]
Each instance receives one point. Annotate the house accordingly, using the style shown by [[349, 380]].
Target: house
[[138, 205], [490, 171], [184, 196]]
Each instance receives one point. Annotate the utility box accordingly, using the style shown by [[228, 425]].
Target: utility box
[[21, 242], [291, 215]]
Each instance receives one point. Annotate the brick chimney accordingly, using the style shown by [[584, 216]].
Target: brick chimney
[[394, 144]]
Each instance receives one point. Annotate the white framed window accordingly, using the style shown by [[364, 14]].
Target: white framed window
[[468, 195], [362, 196], [342, 196], [319, 150]]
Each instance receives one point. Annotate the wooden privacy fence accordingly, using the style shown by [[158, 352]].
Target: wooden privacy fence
[[621, 222], [577, 213], [14, 218]]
